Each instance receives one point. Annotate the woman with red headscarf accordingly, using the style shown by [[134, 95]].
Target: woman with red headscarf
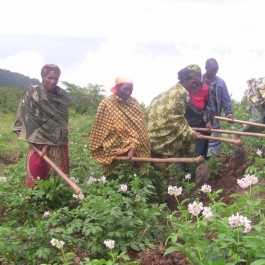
[[42, 120]]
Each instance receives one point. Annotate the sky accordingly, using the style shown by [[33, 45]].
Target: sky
[[93, 41]]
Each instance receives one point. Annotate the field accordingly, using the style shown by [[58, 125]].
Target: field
[[149, 221]]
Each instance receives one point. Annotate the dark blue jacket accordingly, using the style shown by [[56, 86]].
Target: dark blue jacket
[[222, 96]]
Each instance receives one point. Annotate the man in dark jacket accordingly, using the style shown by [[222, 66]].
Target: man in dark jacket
[[220, 96]]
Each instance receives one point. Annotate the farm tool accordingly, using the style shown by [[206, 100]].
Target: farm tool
[[230, 132], [240, 121], [197, 160], [239, 155], [59, 171], [77, 189], [202, 171], [231, 141]]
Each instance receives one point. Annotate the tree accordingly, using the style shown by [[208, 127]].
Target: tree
[[11, 79], [84, 99]]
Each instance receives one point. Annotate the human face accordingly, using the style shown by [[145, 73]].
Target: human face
[[211, 70], [50, 81], [124, 90], [191, 84]]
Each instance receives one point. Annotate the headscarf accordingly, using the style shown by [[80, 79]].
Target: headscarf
[[48, 68], [188, 72], [120, 80]]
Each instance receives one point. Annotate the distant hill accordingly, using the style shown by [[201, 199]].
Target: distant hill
[[16, 80]]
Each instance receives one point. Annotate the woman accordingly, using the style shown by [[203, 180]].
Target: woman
[[169, 132], [119, 128], [198, 112], [255, 104], [42, 120]]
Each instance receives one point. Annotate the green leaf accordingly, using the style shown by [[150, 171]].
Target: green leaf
[[135, 247], [218, 262], [258, 262], [260, 254], [171, 249]]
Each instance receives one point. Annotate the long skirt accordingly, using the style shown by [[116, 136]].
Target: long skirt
[[37, 168]]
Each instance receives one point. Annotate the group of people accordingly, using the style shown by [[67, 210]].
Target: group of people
[[120, 128], [193, 102]]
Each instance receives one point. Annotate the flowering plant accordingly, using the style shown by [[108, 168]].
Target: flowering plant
[[124, 187]]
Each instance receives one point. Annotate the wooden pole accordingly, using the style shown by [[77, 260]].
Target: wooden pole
[[59, 171], [197, 160], [240, 121], [230, 132], [220, 139]]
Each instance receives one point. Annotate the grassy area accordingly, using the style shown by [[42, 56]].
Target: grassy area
[[135, 218]]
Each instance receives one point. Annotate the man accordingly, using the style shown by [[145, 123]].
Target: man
[[119, 128], [221, 99]]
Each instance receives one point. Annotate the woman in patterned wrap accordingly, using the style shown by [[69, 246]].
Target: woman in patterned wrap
[[255, 105], [119, 128], [169, 132], [42, 120]]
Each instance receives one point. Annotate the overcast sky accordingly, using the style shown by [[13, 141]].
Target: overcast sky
[[93, 41]]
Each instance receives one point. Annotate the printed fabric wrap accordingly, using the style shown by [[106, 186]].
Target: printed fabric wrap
[[169, 131], [188, 72], [256, 92], [118, 127], [255, 104], [43, 117]]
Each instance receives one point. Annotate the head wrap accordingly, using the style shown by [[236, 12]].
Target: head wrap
[[47, 68], [188, 72], [120, 80]]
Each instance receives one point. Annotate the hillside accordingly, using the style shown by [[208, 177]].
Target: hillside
[[11, 79]]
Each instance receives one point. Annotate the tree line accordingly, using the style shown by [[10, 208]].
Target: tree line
[[82, 100], [16, 80]]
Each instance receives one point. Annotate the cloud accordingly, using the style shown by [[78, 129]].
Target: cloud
[[149, 40], [25, 62]]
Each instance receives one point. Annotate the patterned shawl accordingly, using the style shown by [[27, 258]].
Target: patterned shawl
[[119, 126], [169, 132], [43, 117], [256, 92]]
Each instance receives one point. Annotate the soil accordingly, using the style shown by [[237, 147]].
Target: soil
[[156, 257], [225, 178]]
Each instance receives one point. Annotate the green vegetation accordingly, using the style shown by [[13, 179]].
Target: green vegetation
[[84, 99], [11, 79], [9, 99], [124, 212]]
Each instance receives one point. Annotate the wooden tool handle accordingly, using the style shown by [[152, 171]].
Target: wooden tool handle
[[231, 141], [230, 132], [198, 160], [59, 171], [239, 121]]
